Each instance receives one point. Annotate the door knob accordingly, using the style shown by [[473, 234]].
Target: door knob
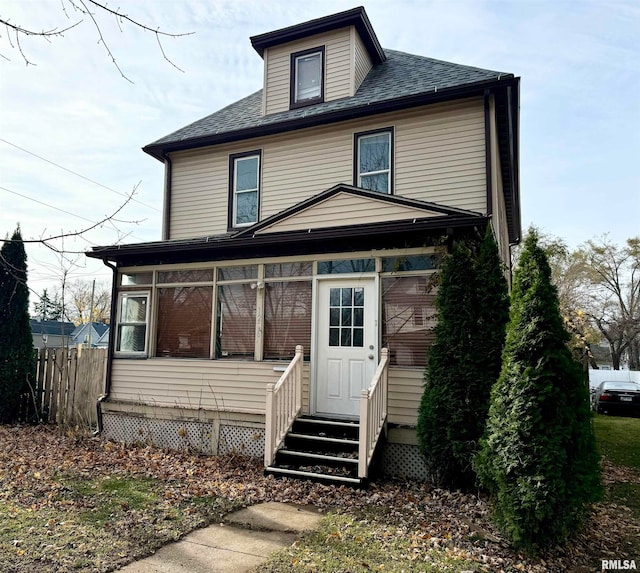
[[370, 356]]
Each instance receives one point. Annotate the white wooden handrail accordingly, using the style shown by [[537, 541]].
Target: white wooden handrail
[[284, 403], [373, 414]]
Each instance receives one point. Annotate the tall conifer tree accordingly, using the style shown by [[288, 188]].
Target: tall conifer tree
[[463, 363], [538, 456], [16, 344]]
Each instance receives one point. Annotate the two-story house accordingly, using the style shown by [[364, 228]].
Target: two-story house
[[311, 214]]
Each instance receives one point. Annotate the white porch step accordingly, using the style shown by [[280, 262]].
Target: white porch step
[[313, 475], [324, 439], [318, 456]]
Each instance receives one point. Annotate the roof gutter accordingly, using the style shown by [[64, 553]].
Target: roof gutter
[[437, 95], [110, 348]]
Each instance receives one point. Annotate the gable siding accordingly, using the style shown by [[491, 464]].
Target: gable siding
[[345, 210], [362, 61], [337, 68], [439, 156]]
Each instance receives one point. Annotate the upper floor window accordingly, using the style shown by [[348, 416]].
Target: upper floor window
[[373, 160], [244, 197], [307, 73]]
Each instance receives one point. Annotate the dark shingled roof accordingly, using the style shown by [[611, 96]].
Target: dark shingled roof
[[51, 327], [402, 75]]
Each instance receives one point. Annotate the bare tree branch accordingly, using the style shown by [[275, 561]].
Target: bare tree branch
[[84, 8], [46, 241]]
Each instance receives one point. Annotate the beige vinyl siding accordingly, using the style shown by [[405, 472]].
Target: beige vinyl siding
[[405, 392], [337, 68], [217, 385], [362, 61], [193, 384], [439, 156], [344, 209], [199, 194]]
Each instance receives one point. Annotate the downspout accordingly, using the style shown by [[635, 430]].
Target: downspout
[[112, 339], [166, 216]]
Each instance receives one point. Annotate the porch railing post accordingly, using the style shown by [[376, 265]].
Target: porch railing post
[[299, 372], [270, 427], [364, 434]]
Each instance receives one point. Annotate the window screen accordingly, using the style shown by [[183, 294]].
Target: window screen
[[408, 319], [236, 331], [287, 319], [184, 322]]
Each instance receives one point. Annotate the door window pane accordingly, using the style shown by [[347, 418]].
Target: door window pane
[[346, 316]]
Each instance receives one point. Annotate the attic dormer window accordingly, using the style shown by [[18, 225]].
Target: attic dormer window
[[307, 73]]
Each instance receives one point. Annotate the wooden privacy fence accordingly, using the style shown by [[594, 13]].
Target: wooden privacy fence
[[67, 385]]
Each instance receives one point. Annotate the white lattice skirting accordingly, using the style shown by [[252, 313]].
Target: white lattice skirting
[[398, 460], [184, 435]]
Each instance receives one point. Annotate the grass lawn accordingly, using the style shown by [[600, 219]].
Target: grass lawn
[[618, 439]]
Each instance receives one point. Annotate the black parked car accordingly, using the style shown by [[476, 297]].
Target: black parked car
[[616, 398]]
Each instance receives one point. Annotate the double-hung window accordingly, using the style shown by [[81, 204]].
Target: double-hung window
[[244, 199], [133, 317], [373, 160], [307, 72]]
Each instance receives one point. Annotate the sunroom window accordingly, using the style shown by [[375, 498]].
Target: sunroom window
[[408, 318], [373, 161], [133, 316], [184, 322]]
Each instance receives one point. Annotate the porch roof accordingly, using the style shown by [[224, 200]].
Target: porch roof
[[248, 243]]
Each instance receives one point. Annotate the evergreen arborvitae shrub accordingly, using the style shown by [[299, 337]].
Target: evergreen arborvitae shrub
[[537, 456], [17, 360], [463, 363]]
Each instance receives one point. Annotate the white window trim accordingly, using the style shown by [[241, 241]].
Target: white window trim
[[236, 192], [359, 138], [119, 323]]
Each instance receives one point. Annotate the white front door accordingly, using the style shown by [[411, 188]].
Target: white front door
[[346, 344]]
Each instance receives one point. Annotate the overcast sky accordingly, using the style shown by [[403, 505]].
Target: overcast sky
[[71, 127]]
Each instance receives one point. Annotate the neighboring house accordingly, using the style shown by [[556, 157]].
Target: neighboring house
[[312, 212], [96, 331], [51, 333]]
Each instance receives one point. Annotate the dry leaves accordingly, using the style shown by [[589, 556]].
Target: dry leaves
[[32, 458]]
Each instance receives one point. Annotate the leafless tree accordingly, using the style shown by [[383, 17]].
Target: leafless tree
[[76, 13]]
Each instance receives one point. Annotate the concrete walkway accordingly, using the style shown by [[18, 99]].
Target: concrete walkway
[[245, 539]]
